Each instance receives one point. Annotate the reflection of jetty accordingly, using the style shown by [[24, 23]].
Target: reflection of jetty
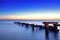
[[45, 26]]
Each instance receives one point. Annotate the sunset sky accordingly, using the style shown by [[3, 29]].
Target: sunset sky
[[30, 9]]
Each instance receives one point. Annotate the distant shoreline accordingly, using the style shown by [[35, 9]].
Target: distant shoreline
[[30, 20]]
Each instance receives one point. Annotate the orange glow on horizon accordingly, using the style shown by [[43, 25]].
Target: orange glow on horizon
[[32, 17]]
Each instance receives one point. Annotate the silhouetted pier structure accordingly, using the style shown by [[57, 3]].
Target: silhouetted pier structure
[[26, 24], [45, 26]]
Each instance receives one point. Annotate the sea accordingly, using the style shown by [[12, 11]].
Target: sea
[[11, 31]]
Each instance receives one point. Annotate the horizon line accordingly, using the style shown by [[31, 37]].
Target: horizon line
[[29, 19]]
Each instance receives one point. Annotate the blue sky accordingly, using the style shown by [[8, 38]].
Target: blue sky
[[25, 7]]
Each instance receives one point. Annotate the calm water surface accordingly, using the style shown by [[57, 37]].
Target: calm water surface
[[11, 31]]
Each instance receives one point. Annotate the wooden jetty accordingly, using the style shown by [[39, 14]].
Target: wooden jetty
[[45, 26]]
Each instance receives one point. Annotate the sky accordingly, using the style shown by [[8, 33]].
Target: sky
[[30, 9]]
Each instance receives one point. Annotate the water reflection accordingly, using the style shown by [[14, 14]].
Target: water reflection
[[55, 36], [47, 36]]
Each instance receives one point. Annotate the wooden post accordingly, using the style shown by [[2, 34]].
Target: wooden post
[[32, 26], [47, 26], [46, 29], [27, 25], [22, 24], [55, 27]]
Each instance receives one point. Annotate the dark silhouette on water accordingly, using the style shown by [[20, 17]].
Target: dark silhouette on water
[[46, 26], [26, 24], [32, 25]]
